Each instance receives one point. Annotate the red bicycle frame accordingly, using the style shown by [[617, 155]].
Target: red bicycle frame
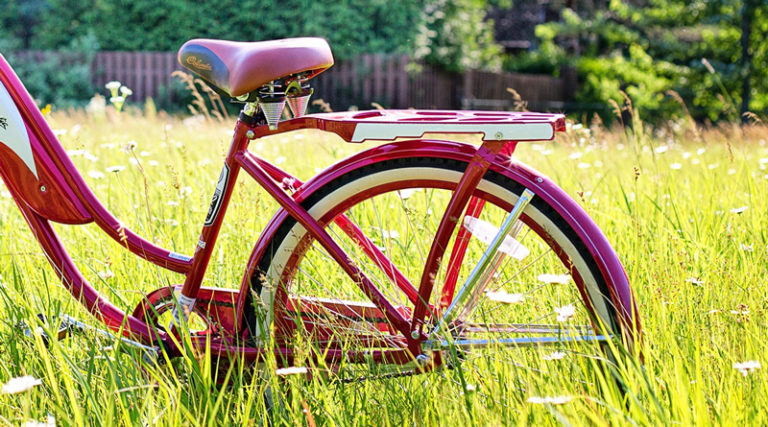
[[47, 187]]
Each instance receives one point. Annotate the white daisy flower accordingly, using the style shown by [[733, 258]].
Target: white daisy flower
[[745, 368], [503, 297], [20, 384], [557, 355], [564, 313], [555, 400]]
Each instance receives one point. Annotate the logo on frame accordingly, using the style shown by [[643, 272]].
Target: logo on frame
[[3, 123]]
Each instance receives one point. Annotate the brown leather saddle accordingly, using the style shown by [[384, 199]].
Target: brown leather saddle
[[238, 68]]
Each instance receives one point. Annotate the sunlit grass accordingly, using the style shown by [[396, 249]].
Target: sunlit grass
[[686, 211]]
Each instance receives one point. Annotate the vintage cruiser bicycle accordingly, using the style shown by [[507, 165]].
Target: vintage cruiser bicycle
[[400, 256]]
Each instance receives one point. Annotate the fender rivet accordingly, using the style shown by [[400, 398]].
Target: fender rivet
[[539, 180], [499, 136], [250, 134], [42, 188]]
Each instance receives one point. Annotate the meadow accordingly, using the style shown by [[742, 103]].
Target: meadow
[[684, 207]]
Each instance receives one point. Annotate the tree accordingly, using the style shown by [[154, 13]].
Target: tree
[[454, 35], [704, 51], [351, 26]]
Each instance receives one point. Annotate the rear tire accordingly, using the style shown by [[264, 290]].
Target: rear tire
[[374, 197]]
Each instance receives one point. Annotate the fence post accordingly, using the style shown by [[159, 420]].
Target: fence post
[[570, 81]]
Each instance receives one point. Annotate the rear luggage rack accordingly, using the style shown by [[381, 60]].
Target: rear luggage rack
[[358, 126]]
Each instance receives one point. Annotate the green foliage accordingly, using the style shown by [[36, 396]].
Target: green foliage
[[62, 78], [351, 26], [455, 36], [651, 47]]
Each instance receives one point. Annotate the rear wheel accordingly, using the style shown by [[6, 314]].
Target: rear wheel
[[546, 289]]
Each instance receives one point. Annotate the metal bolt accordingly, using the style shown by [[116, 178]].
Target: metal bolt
[[43, 189], [499, 136], [539, 180], [415, 334], [250, 134]]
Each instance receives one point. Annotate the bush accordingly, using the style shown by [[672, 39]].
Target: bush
[[60, 78]]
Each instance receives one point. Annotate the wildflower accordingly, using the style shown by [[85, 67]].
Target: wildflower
[[576, 155], [185, 191], [557, 355], [289, 184], [113, 86], [661, 149], [106, 274], [694, 281], [739, 210], [584, 165], [390, 234], [293, 370], [746, 248], [153, 163], [708, 66], [556, 400], [676, 166], [115, 169], [407, 193], [747, 367], [49, 422], [126, 92], [741, 309], [560, 279], [129, 146], [564, 313], [503, 297], [280, 160], [20, 384], [118, 102]]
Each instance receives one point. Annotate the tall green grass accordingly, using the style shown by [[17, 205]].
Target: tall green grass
[[685, 209]]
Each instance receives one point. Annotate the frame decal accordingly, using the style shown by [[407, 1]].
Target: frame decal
[[213, 210], [180, 257], [13, 131]]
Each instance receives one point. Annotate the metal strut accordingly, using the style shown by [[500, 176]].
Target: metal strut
[[470, 292]]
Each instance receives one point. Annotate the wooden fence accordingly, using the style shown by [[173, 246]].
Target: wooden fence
[[384, 79]]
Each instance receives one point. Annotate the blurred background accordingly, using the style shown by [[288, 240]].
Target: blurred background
[[589, 58]]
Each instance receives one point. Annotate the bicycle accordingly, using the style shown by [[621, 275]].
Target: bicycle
[[354, 262]]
